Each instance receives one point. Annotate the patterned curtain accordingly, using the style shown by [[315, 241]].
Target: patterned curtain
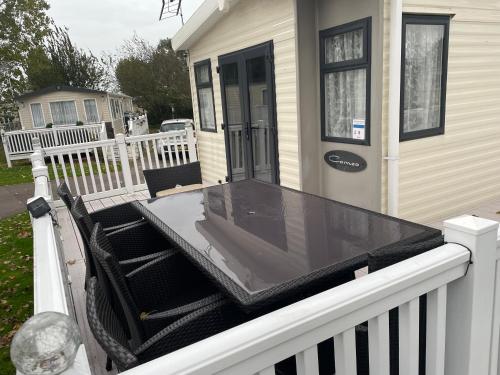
[[423, 71], [345, 91], [206, 108], [91, 110], [37, 113], [64, 113]]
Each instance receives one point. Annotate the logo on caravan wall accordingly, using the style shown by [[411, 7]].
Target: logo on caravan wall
[[345, 161]]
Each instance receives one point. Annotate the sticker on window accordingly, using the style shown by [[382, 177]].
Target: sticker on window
[[358, 129]]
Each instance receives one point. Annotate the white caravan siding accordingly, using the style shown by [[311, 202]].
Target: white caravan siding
[[77, 97], [247, 24], [446, 175]]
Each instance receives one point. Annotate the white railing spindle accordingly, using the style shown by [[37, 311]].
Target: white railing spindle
[[345, 352], [436, 331], [378, 344], [82, 171], [307, 361], [409, 337]]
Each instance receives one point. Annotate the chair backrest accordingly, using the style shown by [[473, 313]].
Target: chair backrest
[[114, 284], [386, 257], [82, 218], [167, 178], [106, 327], [84, 224], [65, 194]]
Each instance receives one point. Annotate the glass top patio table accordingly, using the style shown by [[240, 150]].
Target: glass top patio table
[[260, 242]]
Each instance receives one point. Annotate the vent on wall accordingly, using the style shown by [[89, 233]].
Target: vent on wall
[[171, 8]]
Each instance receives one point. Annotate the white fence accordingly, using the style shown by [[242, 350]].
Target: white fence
[[114, 166], [18, 144], [50, 276]]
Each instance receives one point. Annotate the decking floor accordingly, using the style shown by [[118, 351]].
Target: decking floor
[[74, 257]]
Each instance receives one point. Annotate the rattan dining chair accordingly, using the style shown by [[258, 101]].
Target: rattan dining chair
[[111, 218], [168, 178], [138, 243], [195, 326], [154, 294]]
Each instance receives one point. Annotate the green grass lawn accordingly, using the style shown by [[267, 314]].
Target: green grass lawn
[[16, 281]]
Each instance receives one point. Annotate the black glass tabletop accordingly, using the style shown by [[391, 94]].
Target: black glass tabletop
[[256, 238]]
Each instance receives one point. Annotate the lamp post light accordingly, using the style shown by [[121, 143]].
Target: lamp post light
[[47, 343]]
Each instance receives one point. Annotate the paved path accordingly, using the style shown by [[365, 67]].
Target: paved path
[[13, 198]]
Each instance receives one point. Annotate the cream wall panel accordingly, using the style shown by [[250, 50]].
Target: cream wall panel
[[247, 24], [78, 97], [447, 175]]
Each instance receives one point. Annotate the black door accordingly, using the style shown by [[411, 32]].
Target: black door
[[248, 101]]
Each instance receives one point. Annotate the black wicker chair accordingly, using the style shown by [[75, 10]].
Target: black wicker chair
[[154, 294], [138, 243], [111, 218], [168, 178], [195, 326]]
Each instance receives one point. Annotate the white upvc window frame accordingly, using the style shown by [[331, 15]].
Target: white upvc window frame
[[60, 101], [96, 107], [33, 118], [118, 108]]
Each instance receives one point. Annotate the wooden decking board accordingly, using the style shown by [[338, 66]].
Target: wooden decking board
[[118, 199], [74, 257], [96, 205]]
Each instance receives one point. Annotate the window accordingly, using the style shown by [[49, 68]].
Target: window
[[423, 75], [91, 110], [345, 83], [203, 78], [37, 115], [116, 109], [64, 113]]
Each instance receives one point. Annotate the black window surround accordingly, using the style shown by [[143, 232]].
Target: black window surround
[[201, 85], [424, 19], [362, 63]]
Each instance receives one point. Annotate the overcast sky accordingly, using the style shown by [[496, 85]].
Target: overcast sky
[[102, 25]]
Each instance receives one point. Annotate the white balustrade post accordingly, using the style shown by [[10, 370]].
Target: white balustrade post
[[54, 134], [103, 135], [6, 148], [191, 142], [130, 126], [122, 151], [40, 171], [470, 299]]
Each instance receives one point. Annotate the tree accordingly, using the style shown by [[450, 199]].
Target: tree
[[41, 71], [156, 77], [24, 25], [62, 62]]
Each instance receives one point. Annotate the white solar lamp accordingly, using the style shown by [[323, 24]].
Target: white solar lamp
[[47, 343]]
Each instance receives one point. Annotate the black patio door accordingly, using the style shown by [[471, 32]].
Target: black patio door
[[248, 101]]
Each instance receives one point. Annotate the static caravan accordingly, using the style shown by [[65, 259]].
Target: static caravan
[[67, 105], [391, 105]]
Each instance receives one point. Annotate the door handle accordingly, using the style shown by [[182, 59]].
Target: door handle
[[247, 130]]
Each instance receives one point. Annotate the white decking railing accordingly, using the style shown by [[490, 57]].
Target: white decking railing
[[18, 144], [463, 304], [49, 271], [114, 166]]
